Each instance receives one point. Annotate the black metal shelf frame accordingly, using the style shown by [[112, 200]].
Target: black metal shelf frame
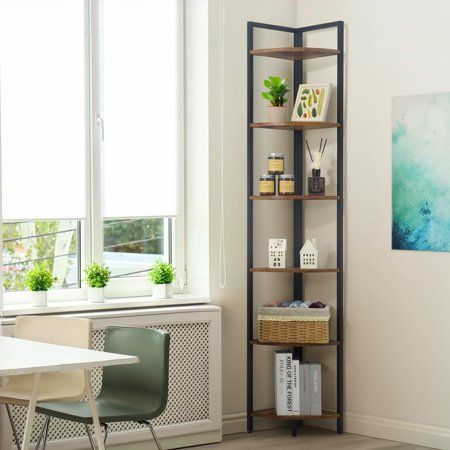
[[297, 34]]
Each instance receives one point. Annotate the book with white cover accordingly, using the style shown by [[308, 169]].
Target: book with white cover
[[295, 387], [280, 383], [289, 390], [305, 389], [316, 389]]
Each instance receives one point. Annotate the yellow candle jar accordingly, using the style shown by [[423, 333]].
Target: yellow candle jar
[[267, 184], [286, 185], [275, 163]]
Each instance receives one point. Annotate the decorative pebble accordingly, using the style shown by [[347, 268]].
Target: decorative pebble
[[274, 304], [317, 305], [296, 304], [305, 304]]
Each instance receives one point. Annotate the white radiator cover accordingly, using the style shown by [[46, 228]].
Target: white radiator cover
[[193, 412]]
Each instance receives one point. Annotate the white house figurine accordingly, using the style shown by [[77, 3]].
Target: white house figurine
[[277, 253], [308, 255]]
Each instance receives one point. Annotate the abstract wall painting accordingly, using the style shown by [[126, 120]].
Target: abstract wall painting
[[421, 172]]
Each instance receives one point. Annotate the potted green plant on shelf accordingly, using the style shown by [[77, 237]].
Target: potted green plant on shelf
[[39, 280], [162, 276], [97, 277], [276, 95]]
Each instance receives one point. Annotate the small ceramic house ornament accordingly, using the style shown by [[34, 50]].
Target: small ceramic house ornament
[[277, 253], [308, 255]]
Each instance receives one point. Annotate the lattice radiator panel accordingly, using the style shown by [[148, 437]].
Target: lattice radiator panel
[[188, 385]]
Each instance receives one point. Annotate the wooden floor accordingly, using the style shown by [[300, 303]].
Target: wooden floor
[[310, 439]]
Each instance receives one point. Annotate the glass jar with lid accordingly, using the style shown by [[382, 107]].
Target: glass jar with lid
[[275, 163], [267, 184], [286, 185]]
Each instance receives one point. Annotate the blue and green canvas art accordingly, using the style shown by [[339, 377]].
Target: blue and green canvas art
[[421, 172]]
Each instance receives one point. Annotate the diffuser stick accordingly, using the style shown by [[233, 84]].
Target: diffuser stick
[[309, 150], [324, 145]]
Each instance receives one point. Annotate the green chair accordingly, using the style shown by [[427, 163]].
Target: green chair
[[130, 393]]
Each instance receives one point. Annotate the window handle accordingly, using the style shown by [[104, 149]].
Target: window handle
[[99, 121]]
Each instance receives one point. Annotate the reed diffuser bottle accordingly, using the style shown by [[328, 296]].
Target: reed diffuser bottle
[[316, 183]]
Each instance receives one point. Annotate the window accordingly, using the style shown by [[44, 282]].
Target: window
[[91, 118], [54, 243], [131, 246]]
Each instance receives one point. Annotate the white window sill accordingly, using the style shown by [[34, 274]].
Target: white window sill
[[110, 304]]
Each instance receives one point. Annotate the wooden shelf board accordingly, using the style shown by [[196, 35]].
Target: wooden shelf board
[[295, 197], [300, 125], [294, 344], [292, 270], [271, 414], [295, 53]]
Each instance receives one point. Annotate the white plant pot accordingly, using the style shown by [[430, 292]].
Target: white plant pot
[[277, 113], [162, 291], [96, 295], [39, 298]]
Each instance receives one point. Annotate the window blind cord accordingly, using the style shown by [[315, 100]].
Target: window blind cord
[[222, 254]]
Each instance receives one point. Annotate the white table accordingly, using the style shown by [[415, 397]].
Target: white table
[[19, 357]]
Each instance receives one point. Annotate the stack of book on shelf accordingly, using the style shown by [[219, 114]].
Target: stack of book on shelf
[[298, 386]]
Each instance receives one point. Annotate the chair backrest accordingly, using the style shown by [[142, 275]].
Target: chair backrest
[[71, 332], [69, 385], [146, 383]]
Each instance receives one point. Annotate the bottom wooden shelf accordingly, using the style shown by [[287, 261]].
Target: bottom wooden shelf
[[271, 414]]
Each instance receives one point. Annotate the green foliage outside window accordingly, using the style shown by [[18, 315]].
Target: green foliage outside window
[[32, 241], [134, 236]]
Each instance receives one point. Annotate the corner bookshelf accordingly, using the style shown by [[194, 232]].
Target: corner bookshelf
[[297, 53]]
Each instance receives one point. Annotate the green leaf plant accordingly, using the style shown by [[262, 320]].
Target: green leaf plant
[[97, 275], [39, 278], [162, 273], [278, 89]]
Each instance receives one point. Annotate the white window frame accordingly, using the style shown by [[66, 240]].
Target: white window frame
[[92, 231]]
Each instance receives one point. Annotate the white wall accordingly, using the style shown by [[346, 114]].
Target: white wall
[[233, 297], [396, 307], [396, 328]]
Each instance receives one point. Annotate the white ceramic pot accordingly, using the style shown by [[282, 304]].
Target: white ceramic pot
[[96, 295], [162, 291], [277, 113], [39, 298]]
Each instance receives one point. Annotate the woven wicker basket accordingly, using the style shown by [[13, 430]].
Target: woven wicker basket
[[296, 325]]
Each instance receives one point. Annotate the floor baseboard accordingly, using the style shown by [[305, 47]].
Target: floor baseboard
[[237, 423], [364, 425], [234, 423], [398, 430]]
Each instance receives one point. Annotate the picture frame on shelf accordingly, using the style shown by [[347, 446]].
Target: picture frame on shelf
[[311, 104]]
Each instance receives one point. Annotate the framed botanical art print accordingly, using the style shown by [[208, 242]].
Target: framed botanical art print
[[312, 102]]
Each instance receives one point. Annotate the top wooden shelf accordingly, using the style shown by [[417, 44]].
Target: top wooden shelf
[[295, 53]]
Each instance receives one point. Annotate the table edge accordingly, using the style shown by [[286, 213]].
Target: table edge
[[70, 366]]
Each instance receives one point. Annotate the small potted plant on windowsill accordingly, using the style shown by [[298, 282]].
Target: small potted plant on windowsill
[[277, 97], [39, 280], [97, 277], [162, 276]]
